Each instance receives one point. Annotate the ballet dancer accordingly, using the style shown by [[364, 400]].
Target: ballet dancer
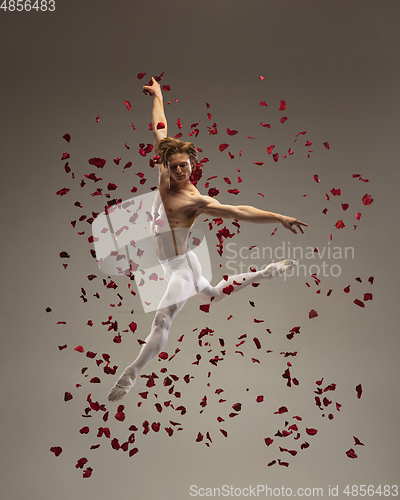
[[178, 203]]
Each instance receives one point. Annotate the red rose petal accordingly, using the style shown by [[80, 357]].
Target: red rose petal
[[257, 342], [87, 472], [316, 178], [351, 453], [81, 462], [62, 191], [367, 200], [281, 410], [282, 107], [311, 432], [155, 426], [359, 303], [339, 224], [223, 146], [359, 391], [68, 396], [268, 441], [57, 450], [312, 314]]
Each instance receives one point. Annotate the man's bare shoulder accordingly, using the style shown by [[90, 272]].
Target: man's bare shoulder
[[204, 203]]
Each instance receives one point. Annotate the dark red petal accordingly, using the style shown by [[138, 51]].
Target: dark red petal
[[115, 444], [87, 472], [312, 314], [268, 441], [316, 178], [357, 441], [311, 432], [81, 462], [326, 144], [339, 224], [351, 453], [282, 107], [57, 450], [224, 432], [62, 191], [84, 430], [367, 200], [223, 146], [367, 296], [141, 75], [359, 391], [155, 426], [68, 396], [231, 132], [257, 342], [260, 399], [281, 410], [263, 103], [359, 303], [200, 437]]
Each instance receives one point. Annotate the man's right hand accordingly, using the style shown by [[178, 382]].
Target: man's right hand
[[154, 89]]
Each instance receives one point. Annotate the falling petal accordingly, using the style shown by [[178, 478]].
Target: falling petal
[[351, 453], [367, 200], [57, 450]]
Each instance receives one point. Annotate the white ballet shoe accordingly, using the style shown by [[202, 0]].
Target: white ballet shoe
[[279, 268], [118, 391]]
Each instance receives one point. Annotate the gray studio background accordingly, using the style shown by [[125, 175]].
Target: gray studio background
[[336, 65]]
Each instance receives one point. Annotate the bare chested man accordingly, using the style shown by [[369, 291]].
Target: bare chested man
[[178, 203]]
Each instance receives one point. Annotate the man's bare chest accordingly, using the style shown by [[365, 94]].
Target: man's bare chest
[[180, 207]]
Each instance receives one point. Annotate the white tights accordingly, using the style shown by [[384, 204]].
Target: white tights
[[184, 275]]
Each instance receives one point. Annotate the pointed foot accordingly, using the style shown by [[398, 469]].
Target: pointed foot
[[120, 390]]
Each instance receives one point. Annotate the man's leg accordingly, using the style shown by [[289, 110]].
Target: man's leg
[[214, 294], [179, 288]]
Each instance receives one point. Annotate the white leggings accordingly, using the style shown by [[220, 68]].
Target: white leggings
[[183, 274]]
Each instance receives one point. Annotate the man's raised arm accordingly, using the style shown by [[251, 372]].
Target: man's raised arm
[[159, 119]]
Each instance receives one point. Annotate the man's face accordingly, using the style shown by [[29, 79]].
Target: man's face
[[179, 167]]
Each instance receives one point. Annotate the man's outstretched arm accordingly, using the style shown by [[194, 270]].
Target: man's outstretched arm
[[158, 115], [210, 206]]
